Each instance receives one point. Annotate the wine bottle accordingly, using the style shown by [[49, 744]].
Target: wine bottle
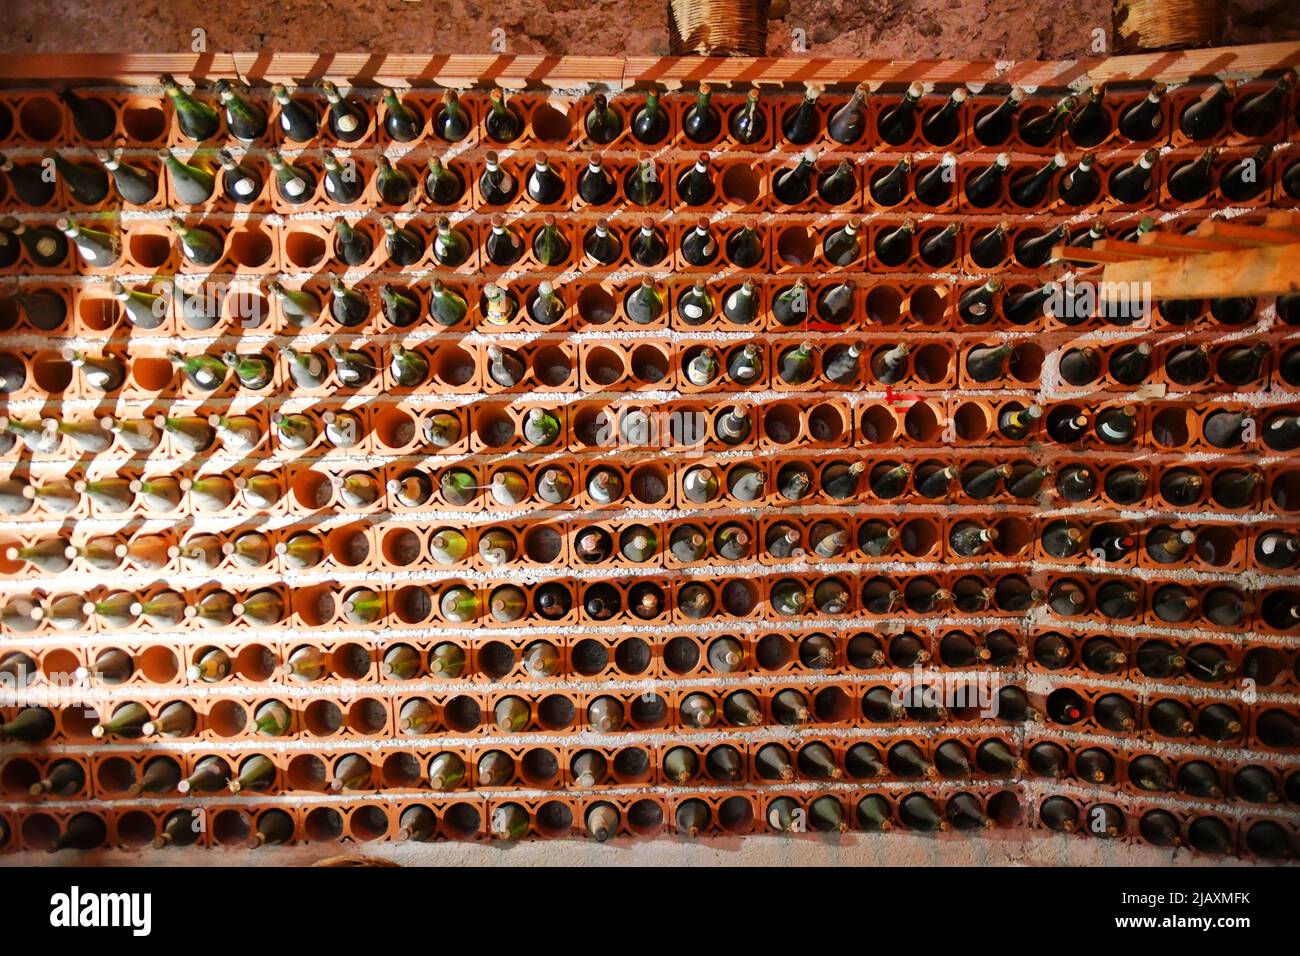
[[346, 118], [847, 124], [196, 119], [993, 126], [801, 123], [1204, 118], [650, 122]]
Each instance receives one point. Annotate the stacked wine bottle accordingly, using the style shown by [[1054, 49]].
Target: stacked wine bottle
[[622, 465]]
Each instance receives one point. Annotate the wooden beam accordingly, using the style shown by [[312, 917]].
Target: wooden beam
[[1177, 243], [1246, 235], [1129, 250], [565, 72], [1090, 255], [1283, 219], [1268, 270]]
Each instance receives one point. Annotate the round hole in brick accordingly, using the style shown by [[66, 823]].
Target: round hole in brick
[[323, 825], [150, 250], [928, 305], [649, 364], [632, 765], [99, 314], [462, 714], [10, 312], [136, 828], [740, 184], [413, 604], [1169, 427], [251, 248], [368, 823], [681, 655], [51, 373], [144, 124], [884, 304], [553, 819], [18, 775], [400, 546], [78, 722], [152, 374], [555, 712], [461, 821], [255, 662], [918, 537], [644, 817], [1285, 491], [349, 546], [395, 428], [115, 775], [6, 121], [921, 423], [552, 366], [781, 423], [878, 424], [367, 716], [40, 830], [596, 306], [931, 363], [227, 718], [795, 246], [539, 767], [832, 705], [542, 544], [551, 125], [494, 427], [312, 490], [649, 711], [1265, 666], [455, 366], [590, 657], [1026, 362], [59, 665], [350, 661], [322, 718], [591, 427], [826, 422], [736, 815], [40, 118], [1004, 808], [739, 597], [603, 366], [971, 421], [1014, 536], [1216, 545], [7, 566], [649, 484], [229, 827], [774, 651], [248, 308], [496, 659], [632, 656]]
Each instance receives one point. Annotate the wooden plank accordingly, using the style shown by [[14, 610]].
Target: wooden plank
[[1094, 256], [1269, 270], [1244, 234], [1283, 219], [1129, 250], [1179, 244], [137, 69], [559, 72]]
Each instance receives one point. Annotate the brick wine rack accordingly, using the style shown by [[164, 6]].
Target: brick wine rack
[[586, 448]]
